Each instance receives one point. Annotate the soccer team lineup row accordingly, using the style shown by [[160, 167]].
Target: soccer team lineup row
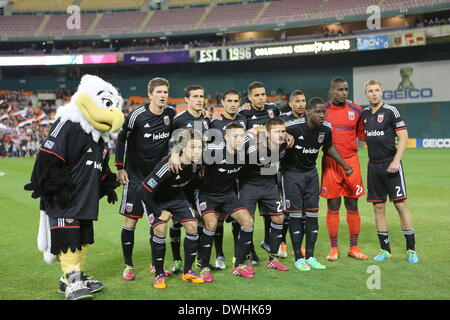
[[199, 172]]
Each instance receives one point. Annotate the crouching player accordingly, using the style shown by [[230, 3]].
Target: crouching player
[[163, 197], [218, 197]]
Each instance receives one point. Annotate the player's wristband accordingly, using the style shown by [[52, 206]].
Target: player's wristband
[[119, 166]]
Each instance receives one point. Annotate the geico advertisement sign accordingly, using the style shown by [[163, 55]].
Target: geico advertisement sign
[[405, 83], [433, 143]]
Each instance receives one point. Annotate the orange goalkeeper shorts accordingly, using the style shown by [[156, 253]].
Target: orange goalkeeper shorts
[[335, 182]]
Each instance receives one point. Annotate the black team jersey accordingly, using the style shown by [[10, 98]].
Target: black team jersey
[[146, 136], [164, 184], [220, 176], [261, 164], [186, 120], [221, 124], [307, 143], [380, 131], [87, 162], [257, 118]]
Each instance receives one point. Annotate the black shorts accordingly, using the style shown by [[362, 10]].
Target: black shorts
[[265, 194], [68, 233], [381, 183], [179, 208], [223, 204], [131, 205], [301, 192]]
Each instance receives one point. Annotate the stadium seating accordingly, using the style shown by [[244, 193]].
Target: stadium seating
[[391, 5], [173, 20], [341, 8], [41, 5], [56, 26], [231, 15], [119, 23], [88, 5], [19, 26], [188, 3], [289, 11]]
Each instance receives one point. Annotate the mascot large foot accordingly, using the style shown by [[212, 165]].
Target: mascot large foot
[[77, 289]]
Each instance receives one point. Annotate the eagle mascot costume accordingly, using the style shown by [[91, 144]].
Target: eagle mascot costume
[[71, 174]]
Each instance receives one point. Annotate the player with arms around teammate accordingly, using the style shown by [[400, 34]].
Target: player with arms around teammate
[[382, 124], [145, 137], [192, 117], [345, 118], [300, 181], [257, 115], [258, 181], [231, 101], [163, 197], [217, 196], [297, 109]]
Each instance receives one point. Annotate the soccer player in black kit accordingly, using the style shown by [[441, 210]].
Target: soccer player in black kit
[[217, 196], [297, 108], [163, 197], [382, 124], [260, 111], [231, 102], [145, 137], [300, 181], [192, 117], [258, 181]]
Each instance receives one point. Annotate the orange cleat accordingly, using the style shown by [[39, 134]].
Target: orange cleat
[[191, 276], [356, 253], [282, 251], [160, 282], [334, 254]]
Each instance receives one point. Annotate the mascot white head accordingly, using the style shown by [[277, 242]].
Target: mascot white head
[[96, 106]]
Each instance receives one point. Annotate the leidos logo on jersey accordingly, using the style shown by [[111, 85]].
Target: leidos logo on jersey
[[156, 136], [97, 165], [374, 133]]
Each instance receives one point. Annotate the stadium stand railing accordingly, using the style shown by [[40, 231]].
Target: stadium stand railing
[[27, 6], [104, 5]]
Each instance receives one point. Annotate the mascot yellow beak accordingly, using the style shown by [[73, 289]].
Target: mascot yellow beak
[[110, 119]]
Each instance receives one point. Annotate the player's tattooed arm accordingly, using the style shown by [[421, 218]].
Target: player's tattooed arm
[[334, 153]]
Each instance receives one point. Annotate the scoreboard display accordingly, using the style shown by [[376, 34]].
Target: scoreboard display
[[221, 54]]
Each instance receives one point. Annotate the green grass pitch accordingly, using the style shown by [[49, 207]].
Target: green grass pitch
[[24, 274]]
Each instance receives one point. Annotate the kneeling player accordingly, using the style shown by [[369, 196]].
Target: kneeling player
[[217, 196], [300, 180], [162, 195]]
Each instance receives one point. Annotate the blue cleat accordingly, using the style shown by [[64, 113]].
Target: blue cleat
[[382, 255], [412, 256]]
